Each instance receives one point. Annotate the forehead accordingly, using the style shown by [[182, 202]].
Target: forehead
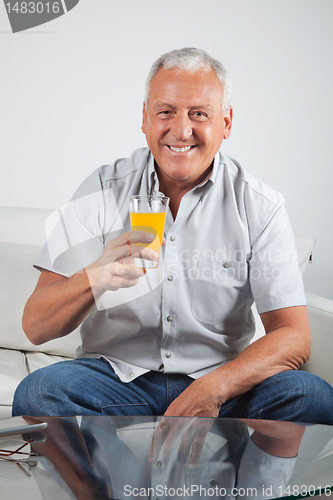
[[175, 86]]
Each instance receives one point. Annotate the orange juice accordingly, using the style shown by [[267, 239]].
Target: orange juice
[[149, 222]]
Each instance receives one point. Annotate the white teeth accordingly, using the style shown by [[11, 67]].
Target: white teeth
[[180, 150]]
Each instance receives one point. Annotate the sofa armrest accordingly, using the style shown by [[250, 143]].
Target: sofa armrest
[[320, 311]]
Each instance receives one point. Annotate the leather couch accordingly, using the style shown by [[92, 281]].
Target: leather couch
[[22, 234]]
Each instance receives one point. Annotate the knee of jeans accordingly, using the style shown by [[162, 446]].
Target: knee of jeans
[[31, 392], [316, 395], [309, 384], [303, 383], [21, 399]]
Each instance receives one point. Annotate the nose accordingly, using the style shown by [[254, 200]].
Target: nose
[[181, 127]]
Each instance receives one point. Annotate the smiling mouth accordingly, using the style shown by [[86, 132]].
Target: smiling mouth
[[180, 150]]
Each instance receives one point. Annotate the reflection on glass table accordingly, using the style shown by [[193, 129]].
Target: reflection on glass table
[[99, 458]]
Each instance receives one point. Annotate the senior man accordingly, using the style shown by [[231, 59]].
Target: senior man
[[180, 344]]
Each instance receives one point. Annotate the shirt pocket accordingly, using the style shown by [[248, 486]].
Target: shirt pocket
[[219, 290]]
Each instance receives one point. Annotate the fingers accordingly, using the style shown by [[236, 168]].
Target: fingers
[[150, 256], [160, 436], [131, 238], [188, 435], [130, 252], [185, 447], [172, 442], [192, 443], [197, 446], [125, 275], [126, 246], [169, 435], [120, 269], [115, 268]]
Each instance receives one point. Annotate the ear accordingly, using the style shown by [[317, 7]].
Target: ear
[[227, 123], [144, 119]]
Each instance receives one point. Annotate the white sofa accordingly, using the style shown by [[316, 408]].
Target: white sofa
[[22, 234]]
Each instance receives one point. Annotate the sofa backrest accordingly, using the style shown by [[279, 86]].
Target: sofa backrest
[[22, 235]]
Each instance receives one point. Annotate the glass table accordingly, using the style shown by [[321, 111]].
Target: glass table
[[158, 458]]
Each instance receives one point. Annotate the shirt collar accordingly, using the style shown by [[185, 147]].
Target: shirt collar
[[213, 173], [153, 183]]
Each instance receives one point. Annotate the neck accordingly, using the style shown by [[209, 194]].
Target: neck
[[175, 193], [175, 190]]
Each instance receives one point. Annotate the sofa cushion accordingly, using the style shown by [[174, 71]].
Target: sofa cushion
[[14, 366], [320, 312], [13, 369], [18, 280], [37, 360], [23, 225]]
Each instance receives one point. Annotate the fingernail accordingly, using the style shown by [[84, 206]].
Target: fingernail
[[153, 255], [149, 237]]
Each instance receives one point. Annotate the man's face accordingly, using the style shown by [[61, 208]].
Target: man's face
[[184, 123]]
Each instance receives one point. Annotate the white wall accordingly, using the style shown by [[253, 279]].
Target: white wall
[[71, 94]]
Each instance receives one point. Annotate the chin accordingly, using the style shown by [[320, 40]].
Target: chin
[[178, 171], [178, 176]]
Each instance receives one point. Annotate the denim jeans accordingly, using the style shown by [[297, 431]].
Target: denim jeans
[[89, 386]]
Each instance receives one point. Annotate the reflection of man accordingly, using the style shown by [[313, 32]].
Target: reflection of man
[[182, 348], [102, 458]]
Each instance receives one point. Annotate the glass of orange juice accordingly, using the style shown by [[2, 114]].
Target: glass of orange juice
[[148, 213]]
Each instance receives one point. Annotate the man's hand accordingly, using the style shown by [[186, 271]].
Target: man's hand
[[115, 269], [183, 433], [198, 400]]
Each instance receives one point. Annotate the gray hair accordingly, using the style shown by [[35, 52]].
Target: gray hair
[[192, 60]]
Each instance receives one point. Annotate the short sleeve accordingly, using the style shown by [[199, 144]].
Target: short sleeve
[[75, 232], [275, 276], [257, 467]]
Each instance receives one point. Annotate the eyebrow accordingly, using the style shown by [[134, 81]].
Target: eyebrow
[[205, 107], [160, 104]]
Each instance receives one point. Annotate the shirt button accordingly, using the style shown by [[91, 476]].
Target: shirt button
[[213, 482], [159, 464], [131, 374], [168, 354], [226, 265], [170, 278], [172, 237], [169, 318]]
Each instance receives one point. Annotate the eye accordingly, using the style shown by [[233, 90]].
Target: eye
[[164, 113], [199, 115]]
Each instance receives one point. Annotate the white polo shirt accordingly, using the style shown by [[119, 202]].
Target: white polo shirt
[[230, 244]]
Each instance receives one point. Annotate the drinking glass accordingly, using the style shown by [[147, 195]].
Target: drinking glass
[[148, 213]]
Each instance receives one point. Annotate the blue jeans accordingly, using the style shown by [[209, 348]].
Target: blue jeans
[[89, 386]]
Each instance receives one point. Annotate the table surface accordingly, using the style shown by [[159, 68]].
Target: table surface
[[160, 458]]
